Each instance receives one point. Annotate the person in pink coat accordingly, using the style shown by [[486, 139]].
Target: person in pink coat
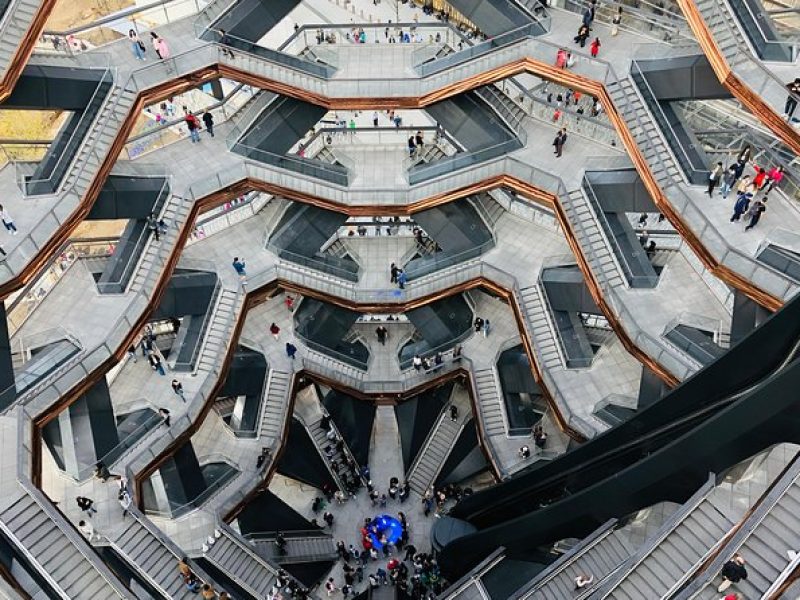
[[160, 45]]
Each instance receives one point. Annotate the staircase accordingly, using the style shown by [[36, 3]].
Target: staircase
[[273, 413], [488, 208], [644, 132], [430, 153], [175, 213], [721, 24], [144, 551], [599, 555], [318, 434], [65, 561], [769, 534], [217, 335], [541, 330], [15, 22], [490, 402], [98, 141], [511, 112], [310, 548], [443, 436], [678, 548], [239, 561], [591, 238]]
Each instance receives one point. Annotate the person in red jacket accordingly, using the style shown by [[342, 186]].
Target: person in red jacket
[[594, 48], [760, 177], [193, 125], [774, 177]]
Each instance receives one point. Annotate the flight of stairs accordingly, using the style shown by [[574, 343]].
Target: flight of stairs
[[216, 337], [671, 553], [490, 402], [318, 434], [98, 140], [309, 548], [599, 555], [175, 213], [78, 573], [541, 329], [766, 548], [644, 132], [239, 561], [433, 454], [151, 557], [273, 413], [592, 239], [19, 17]]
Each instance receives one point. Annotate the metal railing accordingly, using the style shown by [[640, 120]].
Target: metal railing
[[237, 45], [303, 37], [132, 439], [26, 301], [764, 42], [115, 27], [442, 260], [319, 264], [160, 135], [178, 510]]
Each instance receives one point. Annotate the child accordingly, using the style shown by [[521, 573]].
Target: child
[[595, 47]]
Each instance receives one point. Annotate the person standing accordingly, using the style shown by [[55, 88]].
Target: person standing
[[8, 222], [754, 213], [275, 330], [177, 387], [559, 141], [152, 225], [193, 125], [393, 271], [760, 180], [401, 279], [86, 505], [615, 22], [486, 328], [793, 87], [412, 146], [594, 47], [137, 46], [375, 119], [291, 350], [159, 45], [774, 177], [381, 333], [125, 502], [714, 177], [740, 207], [238, 266], [208, 121], [727, 181], [453, 413]]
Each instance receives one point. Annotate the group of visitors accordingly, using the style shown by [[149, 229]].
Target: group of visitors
[[747, 203], [159, 44]]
